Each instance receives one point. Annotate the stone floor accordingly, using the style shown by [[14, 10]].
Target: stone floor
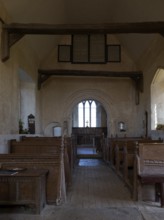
[[97, 193], [86, 150]]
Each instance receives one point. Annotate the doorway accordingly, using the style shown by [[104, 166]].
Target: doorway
[[89, 128]]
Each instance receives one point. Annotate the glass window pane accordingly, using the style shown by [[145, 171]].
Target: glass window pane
[[80, 114], [93, 114], [90, 114], [87, 120]]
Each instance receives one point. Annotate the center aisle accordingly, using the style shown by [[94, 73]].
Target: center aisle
[[97, 193], [95, 185]]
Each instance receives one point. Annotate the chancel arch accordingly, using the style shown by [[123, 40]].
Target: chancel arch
[[91, 94]]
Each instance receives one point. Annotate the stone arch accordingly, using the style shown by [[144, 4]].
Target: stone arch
[[98, 95], [48, 131]]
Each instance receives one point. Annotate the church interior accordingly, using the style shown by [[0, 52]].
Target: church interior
[[81, 109]]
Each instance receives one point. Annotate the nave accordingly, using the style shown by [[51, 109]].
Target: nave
[[96, 193]]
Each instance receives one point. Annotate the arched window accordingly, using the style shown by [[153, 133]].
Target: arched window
[[87, 113], [157, 100]]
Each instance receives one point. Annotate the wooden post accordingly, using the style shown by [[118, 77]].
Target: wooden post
[[61, 197]]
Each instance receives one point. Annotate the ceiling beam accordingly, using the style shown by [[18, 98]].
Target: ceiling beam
[[9, 31], [136, 76], [92, 73], [105, 28]]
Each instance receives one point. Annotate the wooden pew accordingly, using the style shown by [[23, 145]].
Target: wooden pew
[[68, 160], [149, 169], [105, 150], [122, 146], [129, 151], [55, 187], [109, 149], [74, 149], [38, 145], [50, 140], [118, 146], [45, 152], [46, 145], [116, 143], [68, 143]]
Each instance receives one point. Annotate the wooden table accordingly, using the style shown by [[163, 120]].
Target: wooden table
[[26, 187]]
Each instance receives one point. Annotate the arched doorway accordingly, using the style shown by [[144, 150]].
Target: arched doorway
[[89, 127]]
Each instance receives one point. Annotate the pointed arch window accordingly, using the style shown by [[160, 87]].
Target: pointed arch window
[[87, 113]]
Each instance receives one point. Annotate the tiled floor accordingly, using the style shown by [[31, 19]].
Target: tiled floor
[[96, 194]]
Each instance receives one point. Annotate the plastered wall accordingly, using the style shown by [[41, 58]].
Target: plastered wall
[[21, 57], [60, 96]]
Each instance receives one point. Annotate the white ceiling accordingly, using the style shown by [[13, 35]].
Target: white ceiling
[[86, 11]]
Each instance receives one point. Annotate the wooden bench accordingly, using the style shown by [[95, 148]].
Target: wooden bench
[[36, 145], [56, 186], [68, 159], [149, 169], [124, 157], [105, 150], [46, 145], [41, 142], [129, 151], [120, 149], [117, 143], [119, 146], [25, 188], [74, 150]]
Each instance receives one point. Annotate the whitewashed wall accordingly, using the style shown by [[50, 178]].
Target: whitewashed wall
[[21, 57]]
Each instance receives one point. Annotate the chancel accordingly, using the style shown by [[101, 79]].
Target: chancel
[[81, 109]]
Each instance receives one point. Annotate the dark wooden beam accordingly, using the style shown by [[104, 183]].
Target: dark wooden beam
[[19, 30], [105, 28], [41, 79], [136, 76], [14, 37], [92, 73]]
